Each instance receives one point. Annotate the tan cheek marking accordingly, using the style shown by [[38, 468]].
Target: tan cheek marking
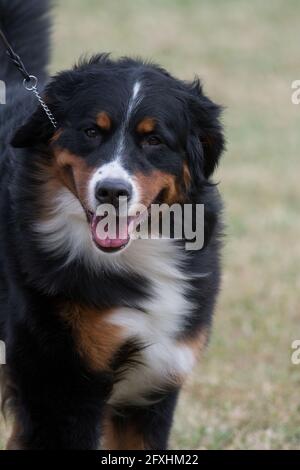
[[186, 175], [146, 125], [73, 172], [103, 121], [97, 340], [182, 185], [64, 170], [121, 437], [151, 185], [173, 195]]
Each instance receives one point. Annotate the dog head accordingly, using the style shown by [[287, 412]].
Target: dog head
[[126, 129]]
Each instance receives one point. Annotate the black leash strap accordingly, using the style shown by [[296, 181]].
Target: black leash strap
[[14, 57], [30, 82]]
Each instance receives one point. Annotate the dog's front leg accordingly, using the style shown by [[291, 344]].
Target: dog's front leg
[[56, 400], [54, 412]]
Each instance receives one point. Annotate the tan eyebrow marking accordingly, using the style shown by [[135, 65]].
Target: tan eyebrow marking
[[103, 121], [146, 125]]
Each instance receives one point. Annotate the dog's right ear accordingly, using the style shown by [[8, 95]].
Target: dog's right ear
[[37, 130]]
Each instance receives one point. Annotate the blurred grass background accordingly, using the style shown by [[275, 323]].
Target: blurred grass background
[[245, 393]]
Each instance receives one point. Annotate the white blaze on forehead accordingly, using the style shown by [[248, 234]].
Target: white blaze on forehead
[[134, 100], [114, 169]]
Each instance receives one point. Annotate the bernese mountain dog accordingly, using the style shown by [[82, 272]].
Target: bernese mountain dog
[[100, 334]]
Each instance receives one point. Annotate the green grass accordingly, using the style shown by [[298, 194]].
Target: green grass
[[245, 392]]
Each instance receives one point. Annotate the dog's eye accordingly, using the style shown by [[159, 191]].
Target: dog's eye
[[152, 140], [91, 132]]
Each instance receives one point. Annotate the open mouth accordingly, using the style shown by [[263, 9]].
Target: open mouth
[[114, 234], [112, 237]]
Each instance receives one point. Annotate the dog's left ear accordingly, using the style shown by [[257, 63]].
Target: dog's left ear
[[206, 142], [37, 130]]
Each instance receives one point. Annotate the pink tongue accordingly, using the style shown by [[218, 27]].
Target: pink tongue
[[102, 238]]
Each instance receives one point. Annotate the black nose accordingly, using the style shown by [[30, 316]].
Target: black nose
[[109, 191]]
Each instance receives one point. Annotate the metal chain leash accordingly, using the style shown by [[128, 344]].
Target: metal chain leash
[[31, 85]]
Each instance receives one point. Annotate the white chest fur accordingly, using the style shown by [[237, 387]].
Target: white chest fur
[[164, 359]]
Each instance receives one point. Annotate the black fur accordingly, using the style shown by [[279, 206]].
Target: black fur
[[57, 398], [26, 25]]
